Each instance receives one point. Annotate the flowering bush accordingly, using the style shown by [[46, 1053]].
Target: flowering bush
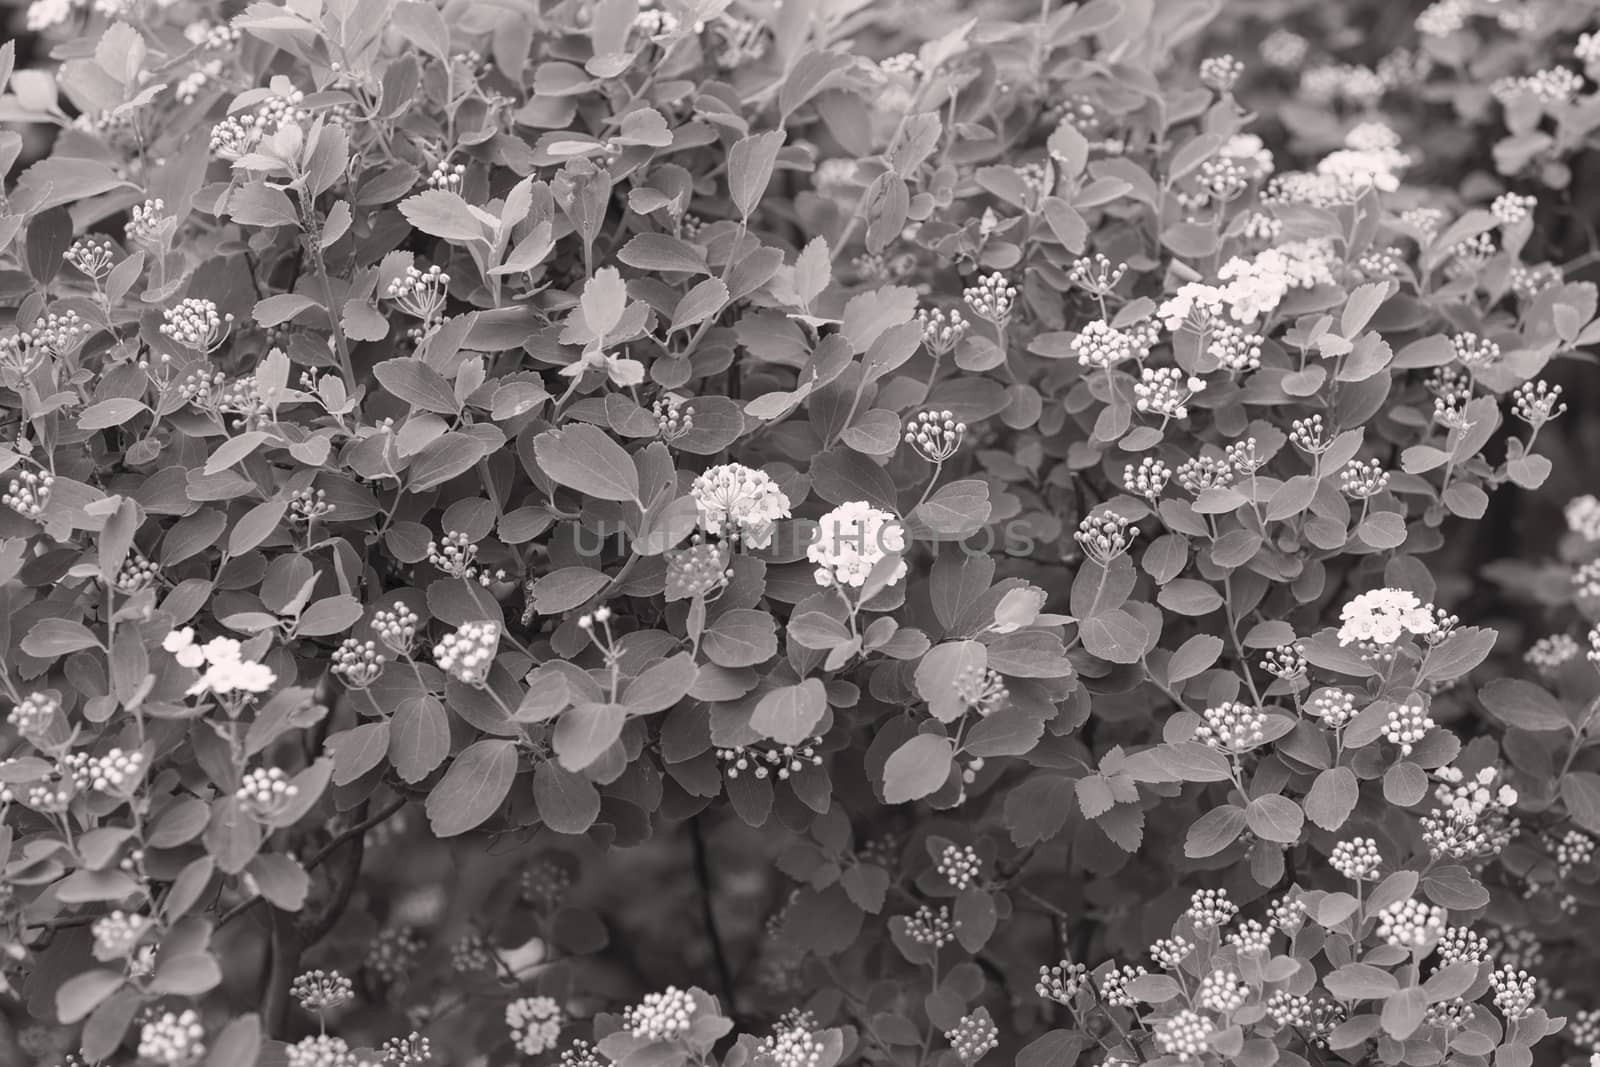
[[796, 533]]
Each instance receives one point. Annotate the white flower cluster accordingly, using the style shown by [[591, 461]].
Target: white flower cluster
[[1104, 536], [1114, 985], [763, 761], [1231, 727], [1410, 923], [320, 990], [1222, 991], [1583, 516], [1211, 907], [1185, 1036], [1383, 616], [420, 293], [931, 927], [266, 792], [935, 435], [535, 1024], [792, 1043], [1166, 391], [396, 627], [1474, 817], [1552, 651], [323, 1051], [1170, 952], [1406, 724], [116, 935], [1100, 345], [467, 654], [740, 502], [942, 330], [34, 716], [661, 1016], [1515, 991], [226, 672], [1251, 938], [1234, 348], [1062, 982], [172, 1039], [959, 865], [28, 494], [358, 662], [1551, 86], [1357, 859], [1459, 944], [974, 1037], [196, 324], [851, 540], [1334, 707], [114, 772], [1148, 479], [992, 298], [413, 1050], [1370, 159]]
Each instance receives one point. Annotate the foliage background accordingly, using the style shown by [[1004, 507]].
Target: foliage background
[[604, 124]]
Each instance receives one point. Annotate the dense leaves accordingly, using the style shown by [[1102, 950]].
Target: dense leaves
[[517, 511]]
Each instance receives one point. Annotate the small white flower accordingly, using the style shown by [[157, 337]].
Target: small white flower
[[1383, 616], [535, 1024], [851, 540], [736, 501], [181, 644]]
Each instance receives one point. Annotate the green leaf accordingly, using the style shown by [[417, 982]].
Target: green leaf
[[917, 768], [940, 671], [741, 637], [239, 1044], [105, 414], [474, 787], [191, 975], [236, 450], [1332, 797], [445, 457], [443, 214], [585, 458], [1115, 636], [1276, 818], [568, 802], [586, 730], [417, 384], [82, 993], [1361, 981], [232, 837], [702, 302], [50, 638], [1195, 655], [419, 738], [750, 164], [331, 615], [790, 714], [661, 685], [1214, 831], [564, 589], [1523, 705], [1580, 791], [662, 252], [605, 297], [358, 750]]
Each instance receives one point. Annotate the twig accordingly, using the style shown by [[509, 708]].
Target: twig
[[702, 874]]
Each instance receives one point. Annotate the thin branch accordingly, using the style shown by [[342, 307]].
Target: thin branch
[[702, 874]]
